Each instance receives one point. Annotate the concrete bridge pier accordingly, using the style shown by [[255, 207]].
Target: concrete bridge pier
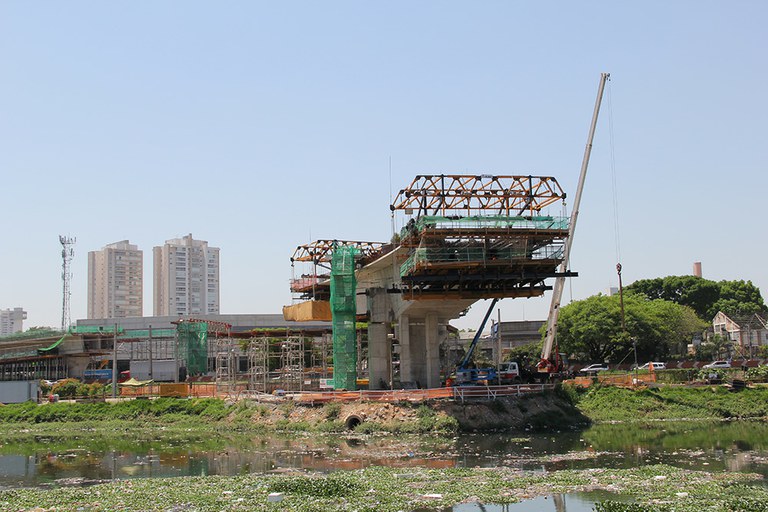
[[379, 346], [420, 350]]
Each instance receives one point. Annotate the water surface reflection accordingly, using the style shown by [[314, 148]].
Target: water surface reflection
[[733, 446]]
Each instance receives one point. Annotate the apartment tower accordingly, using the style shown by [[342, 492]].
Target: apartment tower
[[12, 320], [186, 278], [115, 281]]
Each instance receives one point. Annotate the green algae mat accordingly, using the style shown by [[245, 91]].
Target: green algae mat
[[652, 488]]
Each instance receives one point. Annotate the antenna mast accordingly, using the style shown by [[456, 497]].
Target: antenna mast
[[67, 253]]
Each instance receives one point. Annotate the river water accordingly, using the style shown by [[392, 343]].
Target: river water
[[729, 446]]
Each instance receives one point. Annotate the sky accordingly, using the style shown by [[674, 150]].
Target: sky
[[259, 126]]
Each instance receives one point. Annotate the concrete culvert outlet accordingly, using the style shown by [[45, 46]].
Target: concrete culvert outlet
[[352, 421]]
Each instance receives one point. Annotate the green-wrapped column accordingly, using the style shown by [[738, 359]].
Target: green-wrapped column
[[343, 310]]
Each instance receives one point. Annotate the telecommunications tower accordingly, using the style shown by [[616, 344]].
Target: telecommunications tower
[[67, 253]]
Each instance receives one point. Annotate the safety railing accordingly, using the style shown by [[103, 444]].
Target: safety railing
[[477, 393], [461, 393], [494, 222]]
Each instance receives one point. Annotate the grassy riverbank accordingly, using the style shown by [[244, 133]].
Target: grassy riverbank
[[200, 416], [563, 409], [652, 488], [601, 404]]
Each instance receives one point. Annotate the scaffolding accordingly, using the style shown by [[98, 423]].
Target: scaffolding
[[292, 363], [193, 345], [478, 237], [344, 309], [226, 366], [258, 364], [43, 367]]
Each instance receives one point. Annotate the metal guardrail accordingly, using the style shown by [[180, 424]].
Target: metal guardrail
[[464, 393], [460, 393]]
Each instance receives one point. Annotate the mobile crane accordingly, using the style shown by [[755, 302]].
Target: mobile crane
[[549, 364], [466, 375]]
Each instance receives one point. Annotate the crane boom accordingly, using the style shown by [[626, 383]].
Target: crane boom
[[468, 356], [557, 294]]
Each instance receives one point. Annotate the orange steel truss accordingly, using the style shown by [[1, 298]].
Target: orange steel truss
[[320, 251], [504, 195]]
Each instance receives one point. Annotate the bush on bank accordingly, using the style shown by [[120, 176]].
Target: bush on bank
[[30, 412], [608, 403]]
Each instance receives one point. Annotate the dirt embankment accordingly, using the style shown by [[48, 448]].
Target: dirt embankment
[[545, 411]]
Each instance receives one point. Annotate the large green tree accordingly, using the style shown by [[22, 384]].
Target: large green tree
[[705, 297], [591, 328]]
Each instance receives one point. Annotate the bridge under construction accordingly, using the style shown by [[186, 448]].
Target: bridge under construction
[[465, 238]]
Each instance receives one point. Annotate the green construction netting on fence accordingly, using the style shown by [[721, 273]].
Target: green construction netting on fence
[[144, 333], [543, 222], [94, 329], [343, 310], [193, 336]]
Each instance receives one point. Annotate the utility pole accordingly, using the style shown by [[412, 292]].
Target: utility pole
[[114, 362], [498, 346], [151, 376]]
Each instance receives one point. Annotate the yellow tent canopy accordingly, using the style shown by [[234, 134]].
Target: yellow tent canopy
[[136, 383]]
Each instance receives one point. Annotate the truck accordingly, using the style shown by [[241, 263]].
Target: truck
[[509, 372]]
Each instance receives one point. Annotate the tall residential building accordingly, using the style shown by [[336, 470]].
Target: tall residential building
[[186, 278], [11, 320], [115, 281]]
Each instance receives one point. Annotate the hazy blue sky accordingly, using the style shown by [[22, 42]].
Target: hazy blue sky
[[258, 125]]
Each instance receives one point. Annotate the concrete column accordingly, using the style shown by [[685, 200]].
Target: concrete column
[[379, 347], [432, 351], [404, 337], [418, 355], [379, 356]]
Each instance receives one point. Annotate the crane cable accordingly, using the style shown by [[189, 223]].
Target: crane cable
[[614, 187]]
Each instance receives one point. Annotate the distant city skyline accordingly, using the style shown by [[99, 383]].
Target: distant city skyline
[[263, 126], [185, 279]]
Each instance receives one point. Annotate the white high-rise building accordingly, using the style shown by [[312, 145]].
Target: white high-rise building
[[115, 281], [11, 321], [186, 278]]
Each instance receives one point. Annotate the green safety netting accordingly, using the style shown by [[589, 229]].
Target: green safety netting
[[423, 256], [193, 336], [93, 329], [343, 310], [50, 349], [144, 333], [487, 222]]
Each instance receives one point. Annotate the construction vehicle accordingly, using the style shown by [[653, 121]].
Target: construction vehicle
[[467, 376], [550, 363]]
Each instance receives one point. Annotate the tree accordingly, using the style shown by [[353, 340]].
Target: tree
[[705, 297], [738, 298], [659, 328]]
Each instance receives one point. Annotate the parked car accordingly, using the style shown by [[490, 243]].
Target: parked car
[[718, 364], [594, 368], [657, 365]]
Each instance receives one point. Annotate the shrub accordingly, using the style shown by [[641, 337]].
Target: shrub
[[332, 410], [66, 388], [758, 374]]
